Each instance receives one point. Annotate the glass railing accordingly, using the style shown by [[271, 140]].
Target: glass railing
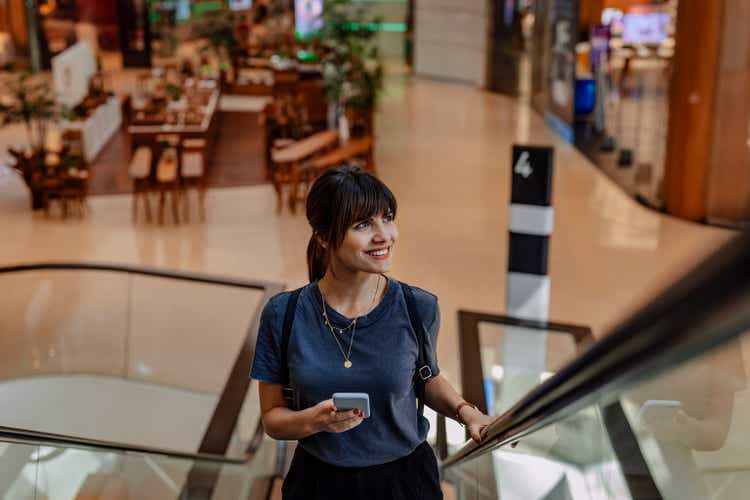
[[693, 425], [658, 408], [37, 468], [135, 357]]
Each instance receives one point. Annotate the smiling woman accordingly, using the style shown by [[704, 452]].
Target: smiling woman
[[354, 330]]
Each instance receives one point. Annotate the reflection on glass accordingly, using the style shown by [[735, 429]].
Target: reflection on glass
[[64, 473], [693, 423], [572, 459], [18, 469], [504, 387]]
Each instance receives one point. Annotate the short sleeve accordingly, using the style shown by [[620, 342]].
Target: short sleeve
[[267, 365], [429, 311]]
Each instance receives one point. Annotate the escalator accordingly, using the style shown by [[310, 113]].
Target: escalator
[[658, 408], [122, 383]]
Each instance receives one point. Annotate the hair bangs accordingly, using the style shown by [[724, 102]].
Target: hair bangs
[[360, 198]]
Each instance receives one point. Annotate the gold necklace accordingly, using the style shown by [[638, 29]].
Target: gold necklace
[[352, 325]]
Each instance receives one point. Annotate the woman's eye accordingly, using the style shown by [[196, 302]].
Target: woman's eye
[[388, 218], [362, 225]]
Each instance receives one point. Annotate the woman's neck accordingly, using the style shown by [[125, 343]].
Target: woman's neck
[[352, 294]]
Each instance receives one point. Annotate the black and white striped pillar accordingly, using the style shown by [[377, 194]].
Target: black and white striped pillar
[[528, 286]]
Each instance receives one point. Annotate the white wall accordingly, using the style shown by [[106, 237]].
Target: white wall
[[451, 39]]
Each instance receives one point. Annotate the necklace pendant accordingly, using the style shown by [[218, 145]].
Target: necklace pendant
[[347, 364]]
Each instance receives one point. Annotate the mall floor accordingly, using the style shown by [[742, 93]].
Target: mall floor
[[445, 150]]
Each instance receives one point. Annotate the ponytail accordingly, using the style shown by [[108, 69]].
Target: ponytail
[[317, 259]]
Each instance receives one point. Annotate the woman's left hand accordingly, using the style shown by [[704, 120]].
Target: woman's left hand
[[476, 423]]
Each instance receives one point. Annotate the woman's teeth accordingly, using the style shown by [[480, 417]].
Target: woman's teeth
[[379, 253]]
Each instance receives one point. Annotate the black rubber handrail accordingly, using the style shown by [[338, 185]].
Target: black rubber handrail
[[141, 270], [11, 434], [704, 309]]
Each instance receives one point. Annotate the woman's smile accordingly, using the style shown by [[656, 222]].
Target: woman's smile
[[380, 253]]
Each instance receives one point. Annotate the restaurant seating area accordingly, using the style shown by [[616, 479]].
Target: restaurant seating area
[[158, 136]]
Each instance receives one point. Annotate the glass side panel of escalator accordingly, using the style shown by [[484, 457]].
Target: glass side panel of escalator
[[33, 472], [515, 359], [572, 459], [507, 374], [119, 357], [693, 425], [682, 435]]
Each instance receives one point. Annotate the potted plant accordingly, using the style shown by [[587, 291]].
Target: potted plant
[[352, 71], [29, 100], [218, 31]]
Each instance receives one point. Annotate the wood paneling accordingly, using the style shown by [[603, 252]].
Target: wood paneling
[[707, 169], [590, 13], [728, 197], [692, 107], [13, 20]]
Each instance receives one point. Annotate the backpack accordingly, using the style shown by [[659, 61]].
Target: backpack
[[422, 372]]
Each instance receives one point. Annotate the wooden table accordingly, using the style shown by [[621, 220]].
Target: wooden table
[[150, 135], [286, 163]]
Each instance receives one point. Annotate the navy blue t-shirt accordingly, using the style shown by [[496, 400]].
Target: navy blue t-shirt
[[384, 358]]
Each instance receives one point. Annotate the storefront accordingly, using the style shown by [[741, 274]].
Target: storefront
[[636, 84]]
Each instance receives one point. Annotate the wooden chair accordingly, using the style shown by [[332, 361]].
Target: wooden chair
[[75, 191], [140, 173], [286, 164], [357, 150], [193, 173], [52, 191], [168, 183]]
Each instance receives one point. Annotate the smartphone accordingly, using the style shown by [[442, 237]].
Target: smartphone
[[345, 401], [659, 411]]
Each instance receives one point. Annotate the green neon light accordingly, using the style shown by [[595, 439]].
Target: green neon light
[[208, 7], [390, 27]]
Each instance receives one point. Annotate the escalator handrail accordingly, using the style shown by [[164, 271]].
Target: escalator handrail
[[700, 311], [140, 270], [35, 438]]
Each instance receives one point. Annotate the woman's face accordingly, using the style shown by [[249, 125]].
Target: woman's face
[[368, 245]]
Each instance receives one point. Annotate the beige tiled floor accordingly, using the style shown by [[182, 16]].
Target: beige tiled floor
[[445, 151]]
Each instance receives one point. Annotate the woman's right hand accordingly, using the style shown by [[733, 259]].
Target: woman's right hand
[[325, 418]]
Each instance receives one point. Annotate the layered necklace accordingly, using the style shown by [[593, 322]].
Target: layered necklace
[[351, 326]]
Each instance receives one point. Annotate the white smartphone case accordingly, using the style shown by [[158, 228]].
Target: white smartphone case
[[350, 400]]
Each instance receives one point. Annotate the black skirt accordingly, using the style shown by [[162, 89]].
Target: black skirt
[[413, 477]]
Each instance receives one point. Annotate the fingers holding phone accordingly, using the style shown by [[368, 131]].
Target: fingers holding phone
[[326, 418]]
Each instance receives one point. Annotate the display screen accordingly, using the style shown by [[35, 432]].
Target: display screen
[[652, 27], [240, 4], [308, 17]]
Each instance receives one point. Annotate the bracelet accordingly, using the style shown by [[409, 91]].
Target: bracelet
[[458, 411]]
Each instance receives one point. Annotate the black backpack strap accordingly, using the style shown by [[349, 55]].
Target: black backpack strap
[[286, 333], [423, 372]]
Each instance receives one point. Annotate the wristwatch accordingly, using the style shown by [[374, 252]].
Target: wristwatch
[[458, 411]]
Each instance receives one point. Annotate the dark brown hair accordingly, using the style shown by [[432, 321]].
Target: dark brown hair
[[337, 200]]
